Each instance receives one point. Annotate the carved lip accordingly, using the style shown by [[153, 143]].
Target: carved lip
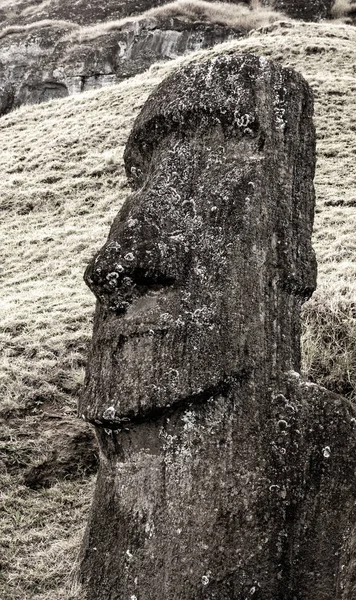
[[224, 387]]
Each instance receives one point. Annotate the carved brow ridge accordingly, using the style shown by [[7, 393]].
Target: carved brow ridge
[[156, 413], [143, 141]]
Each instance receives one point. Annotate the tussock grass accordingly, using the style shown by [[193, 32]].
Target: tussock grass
[[238, 16], [40, 534], [341, 8], [235, 16], [330, 339], [9, 3], [13, 29], [62, 183]]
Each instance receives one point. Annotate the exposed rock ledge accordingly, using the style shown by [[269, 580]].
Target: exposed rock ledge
[[96, 11], [40, 64]]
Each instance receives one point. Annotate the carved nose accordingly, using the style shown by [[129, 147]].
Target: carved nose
[[108, 270], [109, 276], [117, 277]]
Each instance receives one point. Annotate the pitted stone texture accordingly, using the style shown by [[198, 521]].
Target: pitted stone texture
[[207, 264], [248, 495], [223, 476], [40, 65]]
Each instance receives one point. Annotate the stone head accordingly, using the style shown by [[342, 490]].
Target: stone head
[[210, 258]]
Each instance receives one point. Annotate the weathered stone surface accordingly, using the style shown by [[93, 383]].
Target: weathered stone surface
[[81, 11], [223, 476], [96, 11], [204, 154], [40, 65]]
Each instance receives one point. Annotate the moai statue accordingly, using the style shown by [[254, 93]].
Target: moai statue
[[223, 476]]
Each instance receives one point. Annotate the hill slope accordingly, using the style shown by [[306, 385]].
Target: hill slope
[[62, 183], [47, 51], [83, 12], [51, 59]]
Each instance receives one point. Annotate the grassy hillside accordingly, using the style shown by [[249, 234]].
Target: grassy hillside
[[239, 16], [62, 182]]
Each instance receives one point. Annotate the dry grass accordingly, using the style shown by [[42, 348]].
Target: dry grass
[[13, 29], [62, 183], [40, 534], [341, 8], [9, 3], [60, 174], [235, 16]]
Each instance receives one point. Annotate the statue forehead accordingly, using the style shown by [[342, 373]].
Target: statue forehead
[[225, 93]]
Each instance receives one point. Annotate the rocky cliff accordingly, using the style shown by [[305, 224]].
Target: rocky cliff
[[45, 54], [81, 12], [84, 13], [41, 63]]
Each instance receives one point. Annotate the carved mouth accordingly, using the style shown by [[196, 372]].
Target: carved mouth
[[123, 338]]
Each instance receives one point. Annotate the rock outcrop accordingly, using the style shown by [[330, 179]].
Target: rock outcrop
[[40, 60], [81, 11], [40, 64], [97, 11], [223, 475]]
